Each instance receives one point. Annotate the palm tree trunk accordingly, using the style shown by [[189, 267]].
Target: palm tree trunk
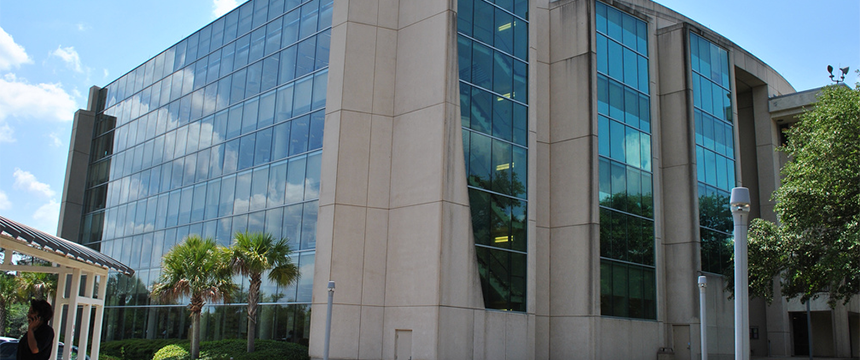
[[195, 334], [253, 293]]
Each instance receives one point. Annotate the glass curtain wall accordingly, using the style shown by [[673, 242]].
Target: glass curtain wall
[[715, 158], [627, 271], [221, 133], [493, 62]]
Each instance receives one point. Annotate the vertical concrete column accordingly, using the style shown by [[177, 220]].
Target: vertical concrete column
[[72, 205], [768, 164], [768, 159], [679, 200], [570, 137], [539, 208], [841, 330], [353, 210], [432, 283], [393, 228]]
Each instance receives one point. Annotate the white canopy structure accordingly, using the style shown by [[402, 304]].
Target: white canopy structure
[[76, 265]]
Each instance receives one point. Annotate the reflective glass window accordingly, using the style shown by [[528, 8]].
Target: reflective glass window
[[228, 193], [249, 115], [243, 47], [290, 32], [255, 73], [270, 73], [296, 180], [626, 227], [714, 151], [492, 44], [306, 52], [161, 174], [263, 150], [277, 185], [259, 188], [258, 45], [246, 151], [261, 10], [288, 65], [310, 15]]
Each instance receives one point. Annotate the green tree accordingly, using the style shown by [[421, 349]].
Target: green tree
[[40, 286], [815, 248], [251, 255], [196, 269], [8, 295]]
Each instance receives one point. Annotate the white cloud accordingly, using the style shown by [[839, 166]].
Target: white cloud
[[39, 101], [11, 54], [55, 140], [106, 73], [27, 181], [7, 134], [82, 27], [47, 217], [221, 7], [5, 204], [70, 57]]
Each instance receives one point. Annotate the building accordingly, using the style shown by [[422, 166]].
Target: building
[[497, 179]]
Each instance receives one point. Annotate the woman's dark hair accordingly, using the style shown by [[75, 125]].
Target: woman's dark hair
[[41, 307]]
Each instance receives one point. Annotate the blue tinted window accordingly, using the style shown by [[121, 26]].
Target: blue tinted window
[[299, 135], [296, 179], [263, 150], [246, 151], [238, 91], [493, 47], [624, 97], [310, 15], [175, 137], [302, 95], [305, 56], [317, 124], [249, 115]]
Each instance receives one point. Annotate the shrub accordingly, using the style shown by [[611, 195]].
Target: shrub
[[172, 352], [235, 348], [135, 349]]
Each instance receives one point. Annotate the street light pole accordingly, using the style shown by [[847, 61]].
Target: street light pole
[[740, 206], [703, 284], [328, 319]]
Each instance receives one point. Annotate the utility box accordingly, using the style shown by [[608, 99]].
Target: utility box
[[666, 353]]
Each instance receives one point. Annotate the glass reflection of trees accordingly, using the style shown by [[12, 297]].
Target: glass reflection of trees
[[715, 224], [125, 318], [499, 221]]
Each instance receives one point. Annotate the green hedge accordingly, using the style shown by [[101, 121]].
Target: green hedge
[[142, 349], [135, 349]]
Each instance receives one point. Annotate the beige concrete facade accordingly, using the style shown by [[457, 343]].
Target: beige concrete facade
[[394, 224], [394, 228]]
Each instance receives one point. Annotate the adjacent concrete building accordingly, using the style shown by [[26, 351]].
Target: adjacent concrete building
[[482, 179]]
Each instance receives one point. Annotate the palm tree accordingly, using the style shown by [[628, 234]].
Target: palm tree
[[255, 253], [197, 269], [40, 286]]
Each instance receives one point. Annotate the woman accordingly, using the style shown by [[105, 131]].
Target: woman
[[36, 343]]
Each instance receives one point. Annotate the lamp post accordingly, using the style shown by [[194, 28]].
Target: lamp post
[[740, 206], [328, 319], [703, 284]]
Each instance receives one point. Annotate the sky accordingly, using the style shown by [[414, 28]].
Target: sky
[[53, 51]]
